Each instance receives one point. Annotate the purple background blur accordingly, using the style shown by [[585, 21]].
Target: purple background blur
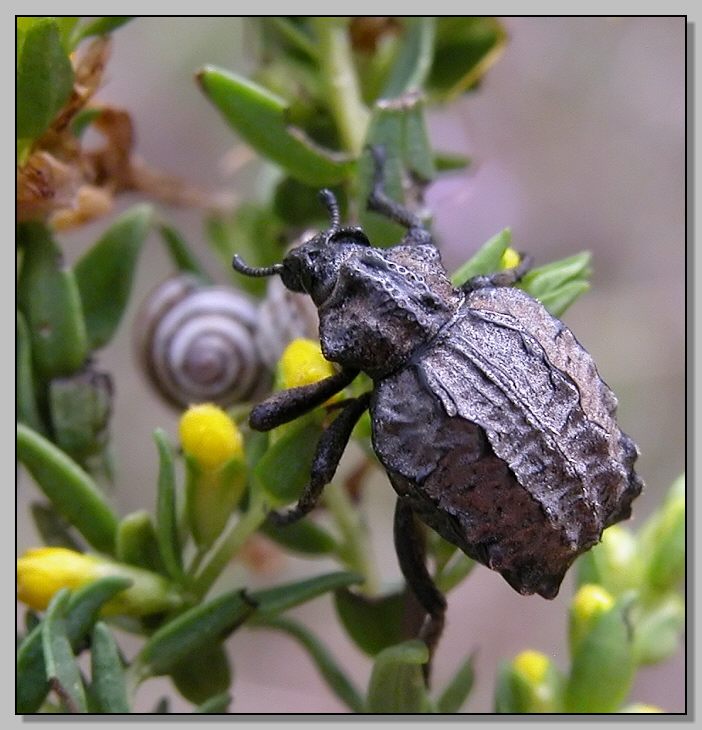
[[577, 137]]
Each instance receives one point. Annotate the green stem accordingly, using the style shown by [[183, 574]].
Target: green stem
[[341, 82], [354, 547], [230, 544]]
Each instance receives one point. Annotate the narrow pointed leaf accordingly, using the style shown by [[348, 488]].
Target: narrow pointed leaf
[[374, 624], [198, 627], [331, 672], [44, 78], [70, 489], [558, 284], [659, 629], [83, 607], [486, 260], [396, 683], [105, 274], [48, 296], [456, 692], [166, 511], [108, 687], [281, 598], [260, 117], [61, 665]]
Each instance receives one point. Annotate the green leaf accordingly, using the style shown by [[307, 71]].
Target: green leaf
[[465, 48], [396, 683], [108, 685], [82, 611], [414, 57], [202, 674], [558, 284], [305, 537], [69, 488], [455, 571], [331, 672], [48, 296], [297, 204], [261, 118], [52, 528], [218, 704], [658, 629], [106, 272], [27, 410], [456, 692], [450, 161], [61, 665], [166, 510], [181, 254], [44, 78], [99, 26], [137, 543], [83, 119], [374, 624], [604, 664], [284, 469], [272, 601], [200, 626], [486, 260]]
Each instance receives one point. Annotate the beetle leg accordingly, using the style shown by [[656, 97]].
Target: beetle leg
[[330, 448], [506, 277], [287, 405], [380, 202], [411, 553]]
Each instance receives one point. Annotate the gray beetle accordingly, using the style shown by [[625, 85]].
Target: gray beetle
[[489, 417]]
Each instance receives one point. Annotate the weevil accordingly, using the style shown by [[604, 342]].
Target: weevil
[[489, 417]]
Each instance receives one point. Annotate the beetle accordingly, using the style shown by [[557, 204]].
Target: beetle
[[490, 419]]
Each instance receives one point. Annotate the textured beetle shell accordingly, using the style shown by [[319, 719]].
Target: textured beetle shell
[[197, 343], [502, 436]]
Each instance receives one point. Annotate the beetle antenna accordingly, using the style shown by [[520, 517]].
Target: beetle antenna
[[329, 200], [243, 268]]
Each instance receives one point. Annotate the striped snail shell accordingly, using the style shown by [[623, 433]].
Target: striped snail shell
[[283, 317], [197, 343]]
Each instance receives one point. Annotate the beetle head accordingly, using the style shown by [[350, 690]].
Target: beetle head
[[313, 267]]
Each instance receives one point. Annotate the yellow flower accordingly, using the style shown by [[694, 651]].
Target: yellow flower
[[510, 258], [302, 363], [532, 665], [642, 707], [210, 436], [42, 572]]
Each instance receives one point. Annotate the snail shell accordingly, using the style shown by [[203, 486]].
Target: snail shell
[[197, 343]]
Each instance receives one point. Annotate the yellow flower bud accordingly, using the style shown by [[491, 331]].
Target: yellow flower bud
[[532, 665], [590, 602], [42, 572], [302, 363], [210, 436], [510, 258]]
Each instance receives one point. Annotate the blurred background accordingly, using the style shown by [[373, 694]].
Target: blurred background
[[577, 142]]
